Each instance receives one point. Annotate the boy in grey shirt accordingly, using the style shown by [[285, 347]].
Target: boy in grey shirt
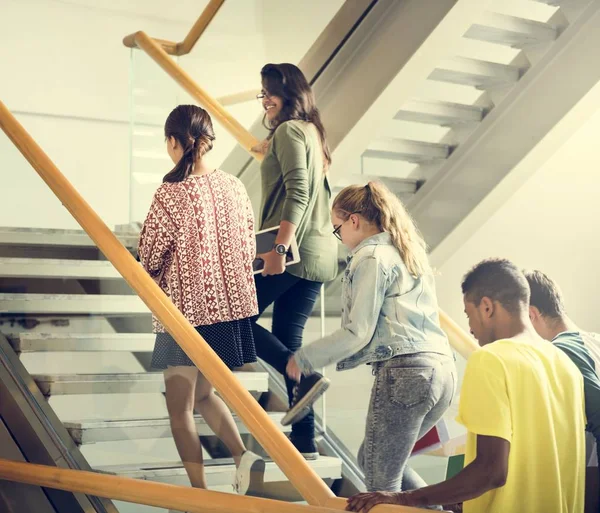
[[548, 316]]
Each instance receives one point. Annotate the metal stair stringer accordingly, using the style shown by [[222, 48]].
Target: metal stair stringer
[[39, 434]]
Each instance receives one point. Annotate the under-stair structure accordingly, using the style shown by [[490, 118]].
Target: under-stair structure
[[477, 113], [507, 61]]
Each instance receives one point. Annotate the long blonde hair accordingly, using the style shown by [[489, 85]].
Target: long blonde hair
[[378, 205]]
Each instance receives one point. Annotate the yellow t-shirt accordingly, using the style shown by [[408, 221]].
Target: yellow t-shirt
[[530, 394]]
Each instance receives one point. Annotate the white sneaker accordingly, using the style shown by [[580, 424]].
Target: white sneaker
[[250, 472]]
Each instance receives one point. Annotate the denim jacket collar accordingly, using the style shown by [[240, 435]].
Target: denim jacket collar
[[378, 239]]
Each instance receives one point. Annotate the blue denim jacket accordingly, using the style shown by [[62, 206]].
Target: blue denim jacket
[[386, 312]]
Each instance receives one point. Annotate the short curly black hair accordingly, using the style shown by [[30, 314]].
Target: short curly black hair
[[501, 281]]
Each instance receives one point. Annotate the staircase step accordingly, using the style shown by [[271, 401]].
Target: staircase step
[[83, 304], [399, 186], [218, 472], [557, 2], [488, 52], [440, 113], [405, 150], [30, 342], [511, 31], [571, 9], [436, 91], [140, 383], [527, 10], [472, 72], [414, 131], [50, 237], [56, 268], [96, 431]]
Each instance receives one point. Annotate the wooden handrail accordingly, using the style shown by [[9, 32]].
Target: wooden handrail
[[169, 47], [185, 46], [210, 11], [235, 98], [216, 110], [180, 498], [341, 503], [462, 343]]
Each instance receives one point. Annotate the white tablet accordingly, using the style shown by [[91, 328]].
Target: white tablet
[[265, 240]]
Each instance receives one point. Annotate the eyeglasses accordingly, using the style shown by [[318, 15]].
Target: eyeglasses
[[337, 229], [336, 232], [262, 95]]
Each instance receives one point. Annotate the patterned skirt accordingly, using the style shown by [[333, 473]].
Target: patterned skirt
[[231, 340]]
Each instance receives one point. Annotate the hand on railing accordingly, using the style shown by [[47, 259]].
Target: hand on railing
[[262, 147], [139, 491]]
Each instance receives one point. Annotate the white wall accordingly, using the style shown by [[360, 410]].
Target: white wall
[[66, 77], [549, 223]]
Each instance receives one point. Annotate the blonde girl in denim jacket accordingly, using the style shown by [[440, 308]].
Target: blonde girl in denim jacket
[[389, 321]]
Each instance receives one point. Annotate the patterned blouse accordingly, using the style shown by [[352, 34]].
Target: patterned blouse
[[198, 243]]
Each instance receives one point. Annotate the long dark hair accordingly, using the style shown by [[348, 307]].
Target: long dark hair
[[192, 127], [289, 83]]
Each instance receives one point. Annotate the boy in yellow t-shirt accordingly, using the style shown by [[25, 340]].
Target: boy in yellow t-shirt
[[522, 403]]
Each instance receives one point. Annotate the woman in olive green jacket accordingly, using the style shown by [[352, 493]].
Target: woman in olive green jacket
[[296, 197]]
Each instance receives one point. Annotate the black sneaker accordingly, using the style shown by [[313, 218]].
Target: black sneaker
[[305, 394], [307, 447]]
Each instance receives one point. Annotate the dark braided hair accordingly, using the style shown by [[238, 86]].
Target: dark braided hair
[[192, 127]]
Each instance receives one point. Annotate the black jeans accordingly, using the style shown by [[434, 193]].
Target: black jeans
[[293, 300]]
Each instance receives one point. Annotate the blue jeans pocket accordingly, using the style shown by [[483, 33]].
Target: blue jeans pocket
[[409, 386]]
